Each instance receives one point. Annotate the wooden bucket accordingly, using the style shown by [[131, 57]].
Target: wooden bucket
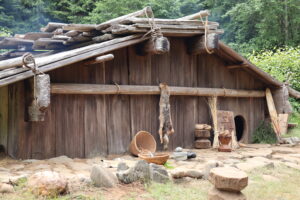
[[143, 141]]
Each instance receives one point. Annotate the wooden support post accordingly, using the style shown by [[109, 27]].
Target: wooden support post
[[100, 59], [57, 88], [273, 113], [158, 45], [196, 45]]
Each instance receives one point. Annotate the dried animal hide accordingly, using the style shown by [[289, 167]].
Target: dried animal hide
[[165, 126]]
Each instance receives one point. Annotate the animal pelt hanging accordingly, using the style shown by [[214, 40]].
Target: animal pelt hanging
[[165, 121]]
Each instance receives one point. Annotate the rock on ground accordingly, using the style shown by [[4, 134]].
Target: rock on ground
[[6, 188], [182, 172], [103, 177], [210, 165], [215, 194], [47, 183], [253, 163], [228, 179]]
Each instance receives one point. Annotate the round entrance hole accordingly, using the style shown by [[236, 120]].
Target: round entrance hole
[[239, 126]]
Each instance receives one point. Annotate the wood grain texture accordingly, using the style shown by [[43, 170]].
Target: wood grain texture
[[3, 116]]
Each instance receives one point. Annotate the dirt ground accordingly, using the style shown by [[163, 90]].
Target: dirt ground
[[269, 160]]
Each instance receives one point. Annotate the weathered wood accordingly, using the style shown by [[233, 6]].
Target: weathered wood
[[109, 46], [79, 27], [4, 117], [63, 55], [243, 65], [72, 33], [100, 59], [273, 113], [203, 13], [135, 20], [175, 26], [15, 43], [281, 100], [60, 37], [158, 45], [37, 35], [117, 20], [150, 90], [283, 123], [52, 26], [294, 93], [200, 44], [103, 38]]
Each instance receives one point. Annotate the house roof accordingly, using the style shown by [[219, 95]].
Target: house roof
[[60, 44]]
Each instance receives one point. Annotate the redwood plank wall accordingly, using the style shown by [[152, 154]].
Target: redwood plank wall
[[93, 125]]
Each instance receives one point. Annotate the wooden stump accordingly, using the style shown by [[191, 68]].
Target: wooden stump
[[202, 144], [203, 134]]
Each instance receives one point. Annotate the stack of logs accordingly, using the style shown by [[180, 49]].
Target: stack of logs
[[202, 136], [61, 36]]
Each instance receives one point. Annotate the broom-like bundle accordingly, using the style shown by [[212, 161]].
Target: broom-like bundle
[[212, 103]]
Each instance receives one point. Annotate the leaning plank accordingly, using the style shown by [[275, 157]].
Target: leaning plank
[[53, 58], [52, 26], [203, 13], [135, 20], [79, 27], [273, 113], [67, 59], [61, 88], [100, 59], [117, 20]]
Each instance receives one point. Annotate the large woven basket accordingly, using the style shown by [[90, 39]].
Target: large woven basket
[[143, 141], [157, 158]]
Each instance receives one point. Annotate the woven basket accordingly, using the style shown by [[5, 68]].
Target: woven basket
[[143, 141], [158, 158]]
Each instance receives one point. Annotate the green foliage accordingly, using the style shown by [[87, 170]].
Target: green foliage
[[264, 134], [168, 165]]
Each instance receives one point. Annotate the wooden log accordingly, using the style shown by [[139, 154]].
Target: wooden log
[[294, 93], [283, 123], [273, 113], [37, 35], [202, 144], [203, 13], [92, 33], [103, 38], [196, 45], [100, 59], [135, 20], [72, 33], [281, 100], [14, 43], [60, 37], [242, 65], [66, 58], [180, 27], [205, 134], [52, 26], [58, 31], [63, 55], [158, 45], [79, 27], [78, 38], [150, 90], [118, 20]]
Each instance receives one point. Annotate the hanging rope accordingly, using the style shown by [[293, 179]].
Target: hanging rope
[[205, 33], [155, 30]]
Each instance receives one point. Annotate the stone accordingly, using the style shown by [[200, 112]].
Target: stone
[[103, 177], [202, 144], [284, 150], [139, 172], [204, 134], [292, 165], [215, 194], [47, 183], [60, 159], [210, 165], [178, 149], [122, 166], [254, 163], [183, 172], [6, 188], [191, 154], [228, 178], [202, 127]]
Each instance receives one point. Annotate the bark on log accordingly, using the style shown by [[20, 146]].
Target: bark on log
[[135, 20], [117, 20], [57, 88], [203, 13], [100, 59], [273, 113], [79, 27], [52, 26], [196, 45], [294, 93], [158, 45]]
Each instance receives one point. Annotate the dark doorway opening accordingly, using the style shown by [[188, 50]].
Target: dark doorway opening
[[239, 127]]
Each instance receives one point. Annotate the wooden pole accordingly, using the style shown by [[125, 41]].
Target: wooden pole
[[203, 13], [100, 59], [62, 88]]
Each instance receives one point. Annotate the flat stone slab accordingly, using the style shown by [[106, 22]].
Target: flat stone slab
[[254, 163], [228, 178], [202, 144], [204, 134], [215, 194]]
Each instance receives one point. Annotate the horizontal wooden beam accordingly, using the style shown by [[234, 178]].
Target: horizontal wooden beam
[[237, 66], [203, 13], [61, 88], [100, 59]]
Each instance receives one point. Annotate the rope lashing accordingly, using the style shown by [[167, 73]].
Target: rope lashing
[[205, 33], [28, 59], [155, 30], [118, 88]]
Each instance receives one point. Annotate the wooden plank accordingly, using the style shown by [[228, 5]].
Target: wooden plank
[[52, 26], [3, 116], [117, 106], [79, 27], [37, 35], [57, 88], [100, 59], [273, 113]]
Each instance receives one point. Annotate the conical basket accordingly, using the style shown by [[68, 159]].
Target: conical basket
[[142, 141]]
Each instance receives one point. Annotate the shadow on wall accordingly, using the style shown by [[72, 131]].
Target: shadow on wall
[[239, 126]]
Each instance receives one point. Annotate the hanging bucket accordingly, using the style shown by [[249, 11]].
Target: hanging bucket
[[142, 142]]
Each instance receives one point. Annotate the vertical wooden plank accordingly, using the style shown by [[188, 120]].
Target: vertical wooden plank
[[3, 116], [117, 106]]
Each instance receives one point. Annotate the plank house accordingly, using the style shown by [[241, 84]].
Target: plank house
[[105, 85]]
